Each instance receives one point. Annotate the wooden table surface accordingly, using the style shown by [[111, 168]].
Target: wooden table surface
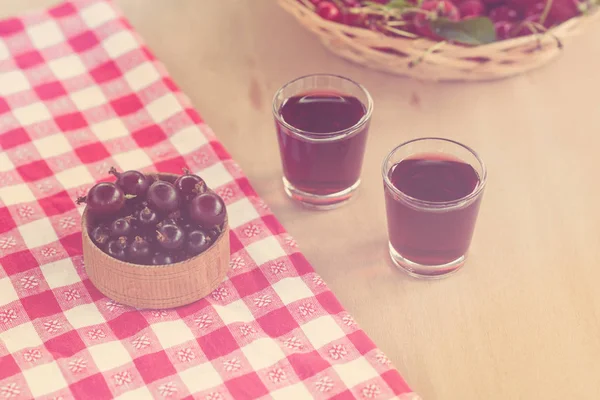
[[522, 319]]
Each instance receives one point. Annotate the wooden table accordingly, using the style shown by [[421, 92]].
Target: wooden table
[[522, 319]]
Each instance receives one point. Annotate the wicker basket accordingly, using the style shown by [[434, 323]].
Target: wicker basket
[[156, 287], [448, 62]]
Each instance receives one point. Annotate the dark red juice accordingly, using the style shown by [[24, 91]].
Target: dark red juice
[[426, 235], [318, 161]]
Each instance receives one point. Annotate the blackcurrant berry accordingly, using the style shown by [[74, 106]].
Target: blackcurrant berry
[[132, 182], [100, 235], [116, 248], [162, 259], [104, 198], [207, 209], [170, 236], [189, 185], [147, 218], [139, 250], [121, 227], [197, 242], [163, 197]]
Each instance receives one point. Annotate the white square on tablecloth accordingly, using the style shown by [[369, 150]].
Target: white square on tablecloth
[[97, 14], [84, 315], [60, 273], [267, 249], [5, 163], [88, 98], [236, 311], [4, 53], [13, 82], [15, 194], [200, 377], [67, 67], [109, 355], [263, 353], [141, 393], [241, 212], [110, 129], [7, 292], [53, 145], [292, 289], [356, 371], [172, 333], [38, 233], [45, 34], [322, 331], [188, 139], [20, 337], [32, 114], [216, 175], [164, 107], [44, 379], [134, 159], [74, 177], [142, 76], [119, 44], [296, 391]]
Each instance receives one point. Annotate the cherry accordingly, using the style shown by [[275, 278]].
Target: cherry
[[436, 9], [198, 241], [170, 236], [147, 218], [116, 248], [504, 13], [189, 185], [100, 235], [563, 10], [121, 227], [471, 8], [139, 250], [162, 259], [207, 209], [503, 29], [535, 10], [132, 182], [163, 197], [329, 11], [104, 198]]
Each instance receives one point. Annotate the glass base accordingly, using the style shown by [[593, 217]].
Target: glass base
[[319, 202], [420, 271]]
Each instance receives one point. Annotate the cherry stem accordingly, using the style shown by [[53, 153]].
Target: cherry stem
[[160, 237], [113, 171], [81, 199], [186, 171], [546, 11]]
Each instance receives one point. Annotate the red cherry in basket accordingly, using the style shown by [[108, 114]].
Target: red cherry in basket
[[329, 11], [104, 198], [471, 8], [436, 9], [504, 13], [503, 29], [207, 209], [563, 10], [189, 184], [132, 182], [163, 197]]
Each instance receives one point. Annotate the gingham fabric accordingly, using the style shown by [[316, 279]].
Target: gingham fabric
[[79, 92]]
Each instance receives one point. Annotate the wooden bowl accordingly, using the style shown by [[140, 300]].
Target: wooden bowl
[[156, 287]]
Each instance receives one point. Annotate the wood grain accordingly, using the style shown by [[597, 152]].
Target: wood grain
[[522, 319]]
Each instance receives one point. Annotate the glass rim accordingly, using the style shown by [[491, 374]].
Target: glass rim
[[314, 136], [435, 204]]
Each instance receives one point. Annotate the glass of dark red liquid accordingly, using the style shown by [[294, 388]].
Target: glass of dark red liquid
[[322, 123], [433, 189]]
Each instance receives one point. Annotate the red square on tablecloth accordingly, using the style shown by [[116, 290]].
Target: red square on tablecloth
[[127, 105], [7, 223], [41, 305], [361, 341], [345, 395], [14, 138], [307, 364], [278, 322], [18, 262], [83, 41], [149, 136], [57, 204], [330, 303], [35, 171], [128, 324], [50, 90], [8, 367], [4, 107], [29, 59], [72, 244], [63, 10], [92, 153], [172, 165], [65, 345], [71, 122], [154, 366], [248, 386], [218, 343], [94, 385], [234, 243], [11, 26], [250, 282], [105, 72]]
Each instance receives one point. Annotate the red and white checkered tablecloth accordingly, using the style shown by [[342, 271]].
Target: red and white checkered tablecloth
[[80, 92]]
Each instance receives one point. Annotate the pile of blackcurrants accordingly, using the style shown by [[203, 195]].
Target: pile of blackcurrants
[[143, 219]]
